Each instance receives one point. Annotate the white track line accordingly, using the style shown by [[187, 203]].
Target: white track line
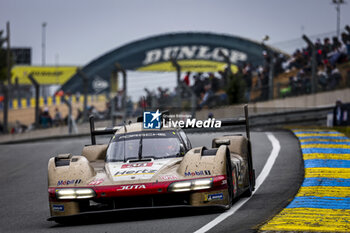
[[264, 173]]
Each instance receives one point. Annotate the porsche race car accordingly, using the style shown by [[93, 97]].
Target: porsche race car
[[149, 168]]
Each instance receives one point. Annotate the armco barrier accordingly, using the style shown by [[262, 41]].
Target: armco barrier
[[312, 116], [316, 116]]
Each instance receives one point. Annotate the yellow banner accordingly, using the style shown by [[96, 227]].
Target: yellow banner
[[189, 65], [52, 101], [45, 75]]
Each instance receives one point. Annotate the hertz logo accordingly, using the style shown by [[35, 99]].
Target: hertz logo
[[134, 172]]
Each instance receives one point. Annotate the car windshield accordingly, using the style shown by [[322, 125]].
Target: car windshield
[[157, 144]]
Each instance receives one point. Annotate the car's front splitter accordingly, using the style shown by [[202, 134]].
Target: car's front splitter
[[91, 213]]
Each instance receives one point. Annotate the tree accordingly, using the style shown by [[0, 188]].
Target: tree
[[236, 88]]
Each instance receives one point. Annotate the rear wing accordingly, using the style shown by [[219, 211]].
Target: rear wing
[[241, 121], [100, 131], [227, 122]]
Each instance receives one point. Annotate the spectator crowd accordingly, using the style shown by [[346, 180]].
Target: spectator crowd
[[207, 87], [329, 54], [211, 88]]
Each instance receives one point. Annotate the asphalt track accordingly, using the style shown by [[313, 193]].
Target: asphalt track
[[24, 200]]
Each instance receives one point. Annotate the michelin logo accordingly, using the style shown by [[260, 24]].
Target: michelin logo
[[151, 120], [213, 197], [58, 208]]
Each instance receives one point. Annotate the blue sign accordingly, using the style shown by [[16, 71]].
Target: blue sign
[[151, 120], [58, 208], [212, 197]]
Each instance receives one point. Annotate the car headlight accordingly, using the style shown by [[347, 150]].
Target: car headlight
[[183, 186], [202, 184], [79, 193]]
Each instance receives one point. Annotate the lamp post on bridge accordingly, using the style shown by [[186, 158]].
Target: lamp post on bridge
[[43, 43], [337, 7], [271, 56]]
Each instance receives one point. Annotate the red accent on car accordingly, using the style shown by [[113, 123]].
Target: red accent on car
[[137, 165], [145, 188], [141, 189]]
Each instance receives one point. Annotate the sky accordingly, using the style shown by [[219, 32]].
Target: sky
[[79, 31]]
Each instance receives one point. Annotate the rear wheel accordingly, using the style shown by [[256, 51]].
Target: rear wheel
[[234, 183], [250, 189], [248, 192], [229, 181], [251, 173], [62, 221]]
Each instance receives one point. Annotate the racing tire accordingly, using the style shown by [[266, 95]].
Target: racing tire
[[251, 187], [248, 192], [235, 183], [62, 221], [229, 180], [251, 174]]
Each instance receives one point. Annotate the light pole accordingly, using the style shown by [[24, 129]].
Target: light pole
[[6, 87], [338, 2], [272, 60], [43, 42], [313, 64]]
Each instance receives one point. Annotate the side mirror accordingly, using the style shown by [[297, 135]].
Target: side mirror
[[182, 149], [223, 142]]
